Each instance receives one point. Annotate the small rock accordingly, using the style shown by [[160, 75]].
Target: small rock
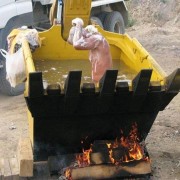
[[121, 77], [178, 164], [176, 132], [53, 68], [65, 76], [86, 77], [12, 127]]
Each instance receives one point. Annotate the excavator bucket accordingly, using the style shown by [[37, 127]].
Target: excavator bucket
[[66, 109], [62, 115]]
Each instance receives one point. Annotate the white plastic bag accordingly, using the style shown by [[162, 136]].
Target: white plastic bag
[[15, 67]]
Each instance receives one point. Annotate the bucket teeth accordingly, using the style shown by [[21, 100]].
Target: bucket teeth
[[122, 87], [155, 86], [88, 88], [72, 91], [35, 84], [140, 83], [140, 87], [54, 89], [72, 84], [108, 82], [173, 81]]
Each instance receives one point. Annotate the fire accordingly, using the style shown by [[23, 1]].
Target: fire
[[132, 150], [131, 146], [110, 153], [68, 174], [84, 158]]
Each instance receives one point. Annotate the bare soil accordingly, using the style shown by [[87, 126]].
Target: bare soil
[[163, 141], [157, 28]]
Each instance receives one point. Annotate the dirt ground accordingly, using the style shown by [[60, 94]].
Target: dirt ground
[[157, 28], [163, 141], [158, 31]]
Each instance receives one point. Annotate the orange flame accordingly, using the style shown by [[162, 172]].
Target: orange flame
[[68, 174], [84, 158], [131, 144], [110, 147]]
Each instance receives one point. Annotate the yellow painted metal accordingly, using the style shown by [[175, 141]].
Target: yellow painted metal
[[124, 48], [54, 47], [134, 55], [73, 9], [29, 64]]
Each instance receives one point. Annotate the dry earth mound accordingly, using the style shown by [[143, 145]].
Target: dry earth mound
[[158, 12]]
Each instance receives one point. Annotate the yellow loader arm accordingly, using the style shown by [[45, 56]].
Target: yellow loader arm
[[71, 10]]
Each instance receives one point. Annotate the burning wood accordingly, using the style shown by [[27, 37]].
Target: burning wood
[[106, 171], [109, 159], [111, 171], [84, 158], [130, 147]]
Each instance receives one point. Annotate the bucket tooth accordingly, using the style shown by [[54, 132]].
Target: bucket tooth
[[140, 86], [88, 99], [172, 88], [88, 88], [173, 81], [107, 82], [122, 86], [35, 85], [122, 97], [72, 91], [155, 86], [54, 89], [72, 84], [107, 90], [140, 83]]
